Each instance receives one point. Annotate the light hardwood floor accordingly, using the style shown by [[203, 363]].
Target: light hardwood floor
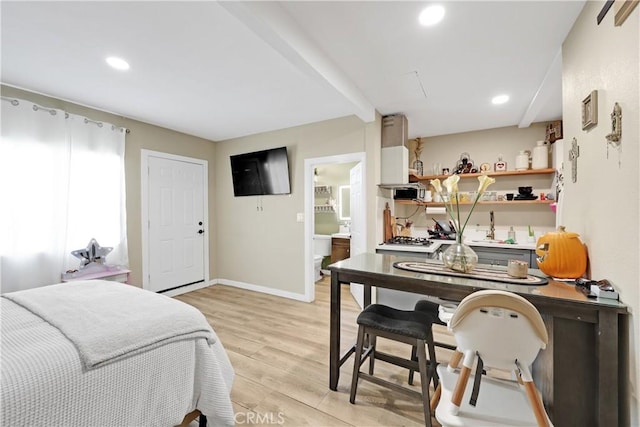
[[279, 349]]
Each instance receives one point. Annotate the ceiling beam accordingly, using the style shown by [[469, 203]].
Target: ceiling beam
[[270, 22], [541, 97]]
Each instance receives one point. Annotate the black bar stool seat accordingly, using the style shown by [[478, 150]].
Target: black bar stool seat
[[414, 324]]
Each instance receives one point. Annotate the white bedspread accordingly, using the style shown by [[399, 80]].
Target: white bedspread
[[108, 320], [44, 382]]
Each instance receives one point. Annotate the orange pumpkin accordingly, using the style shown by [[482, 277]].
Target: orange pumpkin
[[561, 254]]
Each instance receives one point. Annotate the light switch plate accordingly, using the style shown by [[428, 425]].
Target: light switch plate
[[300, 217]]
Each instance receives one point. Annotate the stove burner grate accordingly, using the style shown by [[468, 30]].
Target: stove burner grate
[[405, 240]]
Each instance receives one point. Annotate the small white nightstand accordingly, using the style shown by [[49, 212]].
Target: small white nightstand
[[113, 273]]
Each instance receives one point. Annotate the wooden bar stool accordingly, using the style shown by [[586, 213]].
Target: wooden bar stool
[[410, 327], [430, 308]]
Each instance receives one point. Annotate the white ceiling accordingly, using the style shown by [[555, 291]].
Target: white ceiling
[[220, 70]]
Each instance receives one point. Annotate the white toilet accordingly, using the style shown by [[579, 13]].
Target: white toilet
[[321, 249]]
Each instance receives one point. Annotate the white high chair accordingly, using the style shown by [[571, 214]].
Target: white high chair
[[506, 332]]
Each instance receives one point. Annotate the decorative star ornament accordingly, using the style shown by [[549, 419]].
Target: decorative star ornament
[[92, 253]]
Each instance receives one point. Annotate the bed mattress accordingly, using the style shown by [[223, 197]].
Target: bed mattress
[[44, 382]]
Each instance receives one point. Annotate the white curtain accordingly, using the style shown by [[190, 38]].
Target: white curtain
[[61, 184]]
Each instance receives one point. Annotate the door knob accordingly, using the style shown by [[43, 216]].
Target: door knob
[[200, 231], [200, 223]]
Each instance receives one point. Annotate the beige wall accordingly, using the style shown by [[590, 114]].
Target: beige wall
[[484, 147], [603, 205], [142, 136], [266, 247]]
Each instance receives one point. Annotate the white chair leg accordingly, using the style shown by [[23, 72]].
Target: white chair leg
[[461, 385], [435, 399], [455, 361], [458, 392], [536, 404]]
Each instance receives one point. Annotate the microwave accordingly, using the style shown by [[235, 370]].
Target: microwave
[[409, 193]]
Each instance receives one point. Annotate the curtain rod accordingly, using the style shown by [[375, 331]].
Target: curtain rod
[[53, 112]]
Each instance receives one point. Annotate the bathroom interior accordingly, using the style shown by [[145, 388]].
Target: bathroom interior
[[331, 211]]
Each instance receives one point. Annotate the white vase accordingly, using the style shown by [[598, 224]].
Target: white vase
[[522, 160], [540, 156]]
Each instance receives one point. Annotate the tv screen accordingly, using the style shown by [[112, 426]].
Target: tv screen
[[261, 173]]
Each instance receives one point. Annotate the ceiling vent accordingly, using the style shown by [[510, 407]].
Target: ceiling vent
[[395, 131]]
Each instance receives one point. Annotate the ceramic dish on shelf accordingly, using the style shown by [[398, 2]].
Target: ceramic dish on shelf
[[489, 196]]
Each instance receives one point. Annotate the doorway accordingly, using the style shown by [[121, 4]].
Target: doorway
[[357, 210], [174, 221]]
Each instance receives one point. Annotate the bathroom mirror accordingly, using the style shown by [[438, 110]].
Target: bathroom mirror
[[344, 202]]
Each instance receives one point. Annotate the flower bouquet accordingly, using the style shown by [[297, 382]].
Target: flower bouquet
[[459, 257]]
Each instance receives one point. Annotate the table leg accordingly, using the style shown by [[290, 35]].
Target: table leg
[[367, 295], [334, 332], [607, 377]]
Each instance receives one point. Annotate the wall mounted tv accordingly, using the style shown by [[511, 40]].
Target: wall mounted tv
[[261, 173]]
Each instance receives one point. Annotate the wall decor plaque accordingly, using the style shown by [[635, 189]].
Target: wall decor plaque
[[590, 110]]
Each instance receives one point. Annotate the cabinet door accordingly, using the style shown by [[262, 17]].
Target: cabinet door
[[340, 249], [499, 256]]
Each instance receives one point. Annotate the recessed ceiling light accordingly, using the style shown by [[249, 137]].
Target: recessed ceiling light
[[431, 15], [500, 99], [117, 63]]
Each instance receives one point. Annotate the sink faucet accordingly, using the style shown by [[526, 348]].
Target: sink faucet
[[491, 235]]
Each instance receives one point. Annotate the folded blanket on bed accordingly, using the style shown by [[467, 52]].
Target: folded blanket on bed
[[109, 320]]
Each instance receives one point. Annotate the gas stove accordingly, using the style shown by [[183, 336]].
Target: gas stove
[[405, 240], [410, 244]]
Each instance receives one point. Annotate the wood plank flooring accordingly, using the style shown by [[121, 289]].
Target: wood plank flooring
[[279, 349]]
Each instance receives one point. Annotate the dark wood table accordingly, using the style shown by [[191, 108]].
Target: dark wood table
[[579, 372]]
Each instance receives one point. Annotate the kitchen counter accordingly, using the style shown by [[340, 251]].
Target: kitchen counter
[[438, 243], [489, 253]]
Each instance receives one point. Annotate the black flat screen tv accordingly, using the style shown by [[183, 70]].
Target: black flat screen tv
[[261, 173]]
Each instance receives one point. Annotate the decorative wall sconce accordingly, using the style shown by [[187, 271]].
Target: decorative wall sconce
[[616, 126]]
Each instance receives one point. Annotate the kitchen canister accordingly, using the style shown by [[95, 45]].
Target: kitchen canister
[[517, 268], [540, 156], [522, 160]]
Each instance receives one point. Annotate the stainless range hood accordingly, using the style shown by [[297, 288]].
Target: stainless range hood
[[395, 153]]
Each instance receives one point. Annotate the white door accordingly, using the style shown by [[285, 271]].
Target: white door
[[358, 225], [176, 214]]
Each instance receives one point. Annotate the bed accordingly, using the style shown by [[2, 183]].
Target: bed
[[99, 353]]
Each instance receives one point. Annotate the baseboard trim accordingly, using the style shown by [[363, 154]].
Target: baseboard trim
[[263, 289], [189, 288]]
